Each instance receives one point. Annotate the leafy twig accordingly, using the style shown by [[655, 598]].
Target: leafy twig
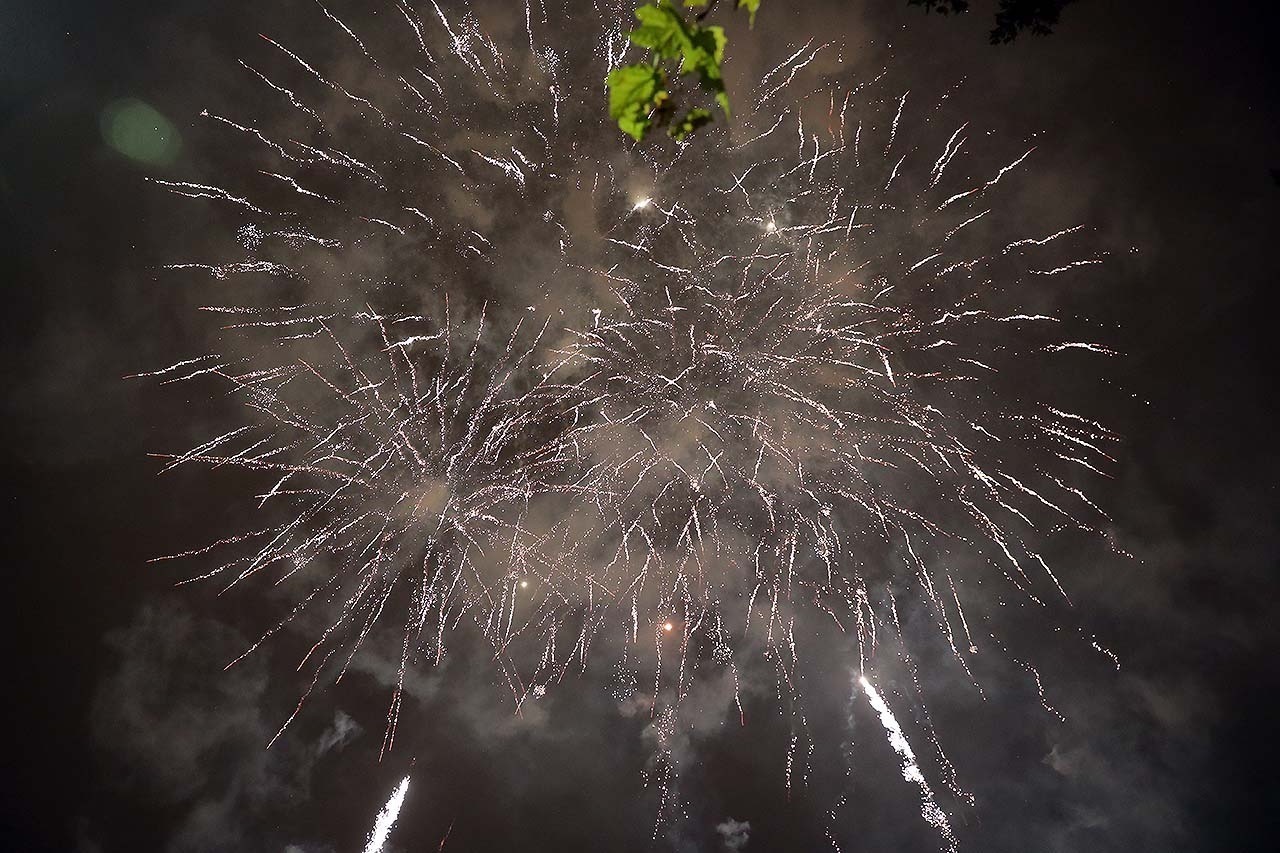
[[638, 94]]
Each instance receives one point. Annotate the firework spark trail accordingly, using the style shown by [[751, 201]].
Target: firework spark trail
[[929, 809], [387, 819], [746, 390], [422, 468]]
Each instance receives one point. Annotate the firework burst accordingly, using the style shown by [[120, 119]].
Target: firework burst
[[730, 384]]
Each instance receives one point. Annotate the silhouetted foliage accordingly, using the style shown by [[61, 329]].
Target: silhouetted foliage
[[1013, 16]]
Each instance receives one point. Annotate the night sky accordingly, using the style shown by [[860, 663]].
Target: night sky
[[1158, 124]]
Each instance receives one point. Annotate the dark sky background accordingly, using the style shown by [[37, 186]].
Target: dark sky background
[[1162, 124]]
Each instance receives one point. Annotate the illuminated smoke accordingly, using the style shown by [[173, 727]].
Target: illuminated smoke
[[510, 374]]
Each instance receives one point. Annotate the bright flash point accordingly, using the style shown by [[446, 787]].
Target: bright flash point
[[524, 584], [642, 204], [668, 627], [771, 226]]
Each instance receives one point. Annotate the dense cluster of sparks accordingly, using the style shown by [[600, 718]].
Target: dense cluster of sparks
[[387, 818], [504, 373]]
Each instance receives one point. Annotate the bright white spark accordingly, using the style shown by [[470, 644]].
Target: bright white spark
[[929, 808], [387, 818]]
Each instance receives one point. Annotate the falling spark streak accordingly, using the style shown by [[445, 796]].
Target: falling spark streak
[[929, 808], [387, 819]]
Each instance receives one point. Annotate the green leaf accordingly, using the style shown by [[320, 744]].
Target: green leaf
[[661, 29], [722, 98], [705, 50], [634, 91], [688, 123], [752, 6], [703, 54], [637, 93]]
